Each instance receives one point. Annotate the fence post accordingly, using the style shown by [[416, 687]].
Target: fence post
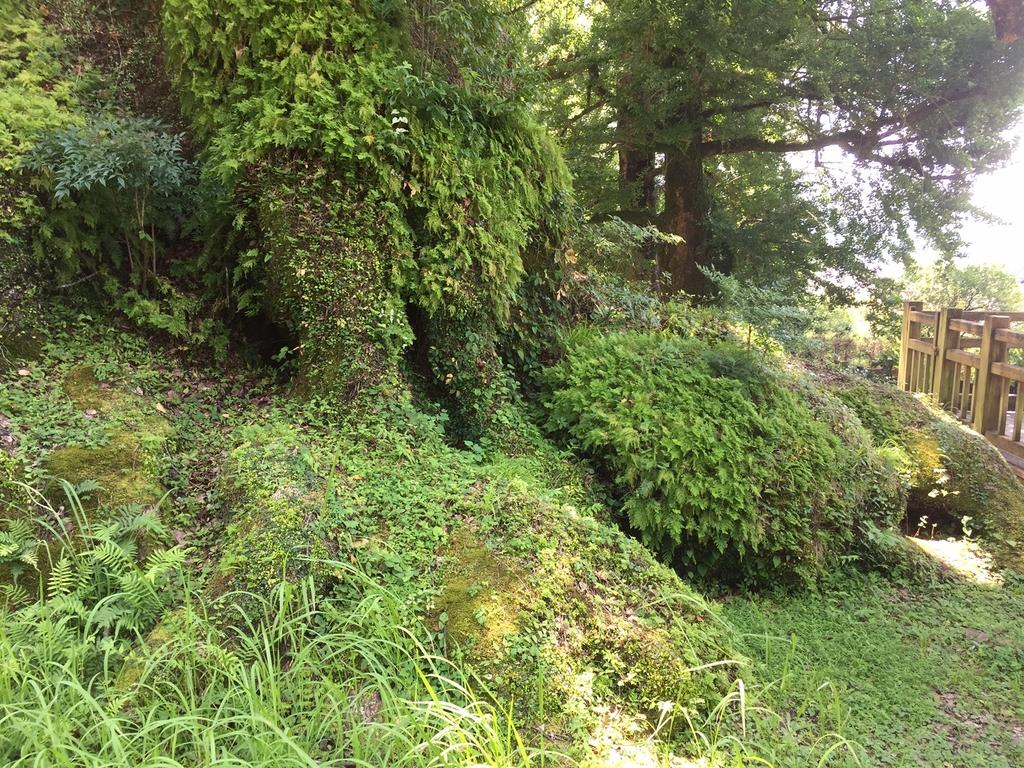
[[989, 392], [945, 340], [909, 329]]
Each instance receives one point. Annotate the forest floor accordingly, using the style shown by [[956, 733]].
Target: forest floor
[[889, 674], [863, 671]]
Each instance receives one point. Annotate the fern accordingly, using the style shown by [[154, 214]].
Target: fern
[[64, 578], [18, 548], [97, 581]]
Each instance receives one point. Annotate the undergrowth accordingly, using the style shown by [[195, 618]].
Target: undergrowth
[[724, 465], [302, 681]]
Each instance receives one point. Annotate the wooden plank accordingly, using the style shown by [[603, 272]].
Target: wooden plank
[[1015, 317], [1010, 338], [1005, 444], [945, 340], [987, 392], [927, 346], [903, 377], [1004, 404], [925, 318], [956, 394], [967, 326], [964, 358], [1007, 371], [965, 397]]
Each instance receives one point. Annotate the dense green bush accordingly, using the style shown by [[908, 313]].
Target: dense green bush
[[723, 463], [118, 191], [35, 96], [958, 481], [112, 184]]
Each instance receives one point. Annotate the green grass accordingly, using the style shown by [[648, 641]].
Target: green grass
[[310, 683], [925, 676]]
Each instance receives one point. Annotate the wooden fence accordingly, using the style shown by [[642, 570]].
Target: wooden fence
[[966, 362]]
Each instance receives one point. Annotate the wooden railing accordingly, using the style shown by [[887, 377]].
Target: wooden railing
[[965, 361]]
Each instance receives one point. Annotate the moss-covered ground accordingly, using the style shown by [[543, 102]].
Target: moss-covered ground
[[514, 567], [511, 565]]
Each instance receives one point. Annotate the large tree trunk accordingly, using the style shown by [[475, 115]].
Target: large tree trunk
[[685, 215], [637, 175], [324, 237], [637, 179]]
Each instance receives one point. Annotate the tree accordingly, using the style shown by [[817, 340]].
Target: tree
[[975, 287], [914, 93], [387, 178]]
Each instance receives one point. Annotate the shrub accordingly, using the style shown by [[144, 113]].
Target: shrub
[[35, 96], [957, 479], [722, 463], [113, 183]]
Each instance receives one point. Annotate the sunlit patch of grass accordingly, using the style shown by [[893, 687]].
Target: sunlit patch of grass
[[905, 675]]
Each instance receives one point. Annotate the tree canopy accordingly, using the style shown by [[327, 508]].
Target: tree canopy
[[912, 98], [971, 287]]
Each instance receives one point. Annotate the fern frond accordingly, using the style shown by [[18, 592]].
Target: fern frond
[[13, 595], [112, 557], [163, 563], [64, 578]]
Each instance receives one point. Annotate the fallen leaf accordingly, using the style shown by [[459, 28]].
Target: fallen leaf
[[24, 372], [160, 408]]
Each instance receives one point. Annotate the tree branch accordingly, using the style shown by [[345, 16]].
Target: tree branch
[[733, 109], [853, 139]]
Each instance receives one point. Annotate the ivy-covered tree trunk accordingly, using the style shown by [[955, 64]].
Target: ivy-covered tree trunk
[[330, 249], [686, 215]]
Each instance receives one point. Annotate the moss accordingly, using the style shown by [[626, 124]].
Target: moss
[[123, 468], [570, 612], [641, 662], [484, 598], [276, 504], [18, 345], [954, 473], [557, 613], [89, 395], [331, 269], [84, 390]]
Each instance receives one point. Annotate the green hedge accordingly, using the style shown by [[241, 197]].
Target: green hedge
[[726, 463]]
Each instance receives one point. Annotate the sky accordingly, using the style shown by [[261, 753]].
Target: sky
[[1000, 193]]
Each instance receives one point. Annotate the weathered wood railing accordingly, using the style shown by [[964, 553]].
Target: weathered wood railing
[[965, 361]]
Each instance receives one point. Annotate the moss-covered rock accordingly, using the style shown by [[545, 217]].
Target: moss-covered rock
[[122, 468], [485, 596], [957, 478], [125, 464], [276, 503], [557, 612]]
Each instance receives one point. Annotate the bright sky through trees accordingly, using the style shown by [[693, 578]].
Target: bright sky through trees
[[1001, 193]]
